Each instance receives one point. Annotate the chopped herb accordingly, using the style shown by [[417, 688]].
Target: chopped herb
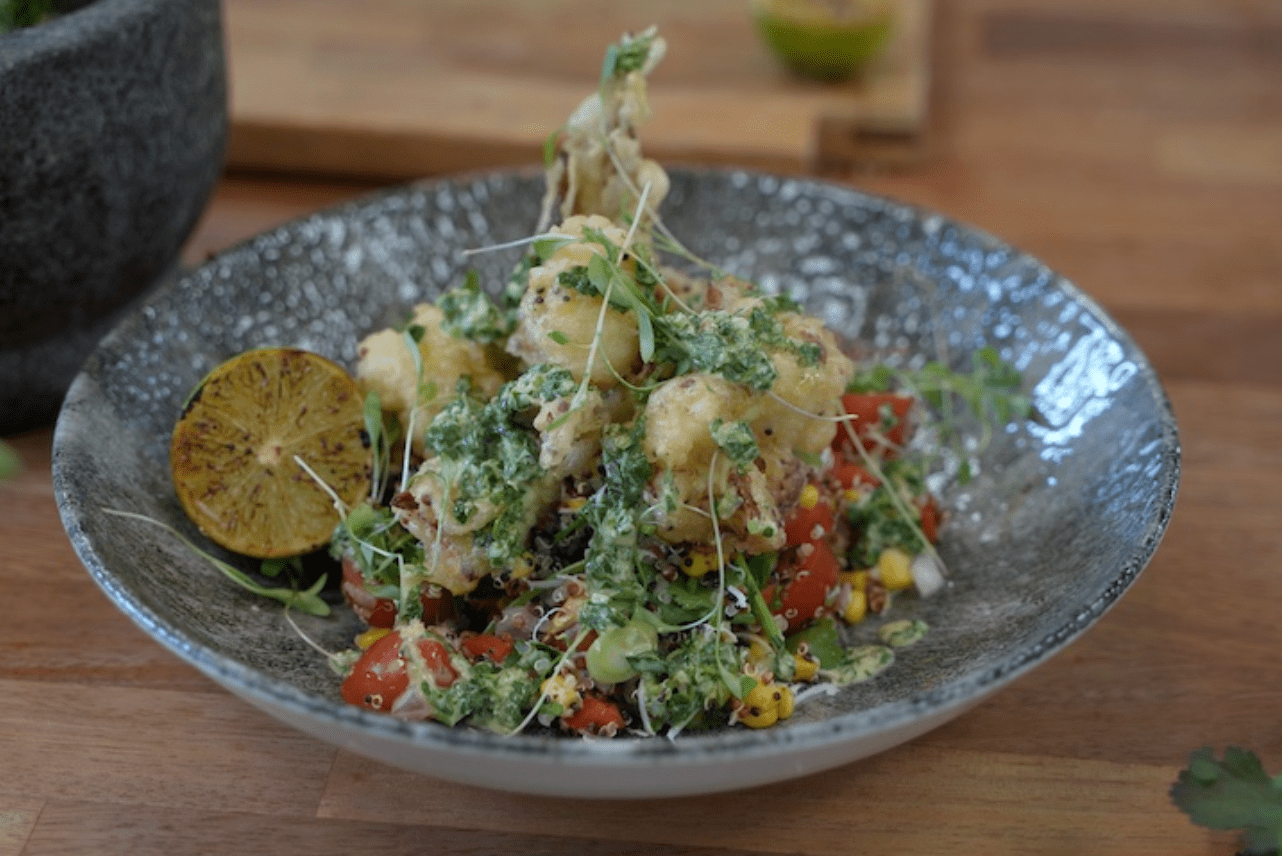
[[471, 314], [1234, 793], [737, 441], [489, 455]]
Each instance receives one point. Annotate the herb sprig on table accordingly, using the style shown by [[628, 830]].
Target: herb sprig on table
[[1234, 794]]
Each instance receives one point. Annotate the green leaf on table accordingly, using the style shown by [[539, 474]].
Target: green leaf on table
[[1234, 793], [10, 464]]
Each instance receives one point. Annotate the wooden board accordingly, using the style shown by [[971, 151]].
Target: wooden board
[[401, 88]]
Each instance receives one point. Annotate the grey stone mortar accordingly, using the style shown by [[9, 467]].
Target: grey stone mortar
[[113, 123]]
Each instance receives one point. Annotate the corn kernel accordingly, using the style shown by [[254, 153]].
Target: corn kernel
[[759, 652], [809, 496], [895, 569], [807, 666], [522, 566], [761, 706], [858, 579], [786, 704], [562, 689], [369, 637], [856, 607], [699, 562]]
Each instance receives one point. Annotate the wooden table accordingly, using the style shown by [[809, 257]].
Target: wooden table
[[1135, 147]]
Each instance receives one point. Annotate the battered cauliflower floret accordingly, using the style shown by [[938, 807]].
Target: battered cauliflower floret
[[679, 418], [570, 437], [811, 389], [385, 364], [558, 324]]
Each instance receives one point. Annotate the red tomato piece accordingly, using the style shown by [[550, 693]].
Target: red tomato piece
[[379, 676], [438, 604], [931, 518], [805, 587], [867, 408], [595, 716], [496, 648], [854, 476], [809, 524]]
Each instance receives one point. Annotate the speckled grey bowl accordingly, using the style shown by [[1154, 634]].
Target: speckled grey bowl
[[113, 119], [1061, 518]]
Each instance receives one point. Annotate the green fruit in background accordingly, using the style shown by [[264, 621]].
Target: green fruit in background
[[825, 39]]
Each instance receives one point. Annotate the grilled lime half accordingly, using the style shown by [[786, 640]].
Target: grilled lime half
[[256, 441]]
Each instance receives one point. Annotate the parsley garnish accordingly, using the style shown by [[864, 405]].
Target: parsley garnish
[[618, 581], [490, 455], [1233, 794], [471, 314], [737, 441]]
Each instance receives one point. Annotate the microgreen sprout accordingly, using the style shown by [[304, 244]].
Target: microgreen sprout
[[305, 600]]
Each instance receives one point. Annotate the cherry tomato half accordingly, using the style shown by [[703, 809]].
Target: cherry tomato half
[[379, 676], [805, 586], [595, 716], [867, 408]]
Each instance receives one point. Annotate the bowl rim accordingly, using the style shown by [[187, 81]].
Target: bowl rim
[[628, 752], [80, 27]]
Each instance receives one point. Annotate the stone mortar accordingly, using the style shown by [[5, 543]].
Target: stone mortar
[[113, 122]]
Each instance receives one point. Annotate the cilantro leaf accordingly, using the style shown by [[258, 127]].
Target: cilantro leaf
[[1232, 794]]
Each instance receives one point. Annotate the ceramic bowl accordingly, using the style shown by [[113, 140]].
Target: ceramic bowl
[[1060, 518], [112, 124]]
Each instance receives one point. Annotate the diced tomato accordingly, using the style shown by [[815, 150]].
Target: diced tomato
[[496, 648], [867, 408], [809, 524], [930, 519], [379, 676], [438, 604], [805, 585], [854, 476], [595, 716]]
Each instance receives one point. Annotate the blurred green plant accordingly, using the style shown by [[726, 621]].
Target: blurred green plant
[[23, 13], [9, 463]]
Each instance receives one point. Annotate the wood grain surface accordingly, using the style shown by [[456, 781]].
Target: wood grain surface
[[395, 88], [1137, 148]]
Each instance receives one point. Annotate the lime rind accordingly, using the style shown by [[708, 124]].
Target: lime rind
[[827, 49], [233, 452]]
